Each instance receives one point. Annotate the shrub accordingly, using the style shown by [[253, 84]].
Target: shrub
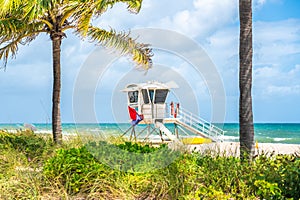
[[266, 190], [223, 174], [269, 177], [138, 148], [25, 142], [135, 171], [73, 168], [282, 170], [132, 157], [77, 169]]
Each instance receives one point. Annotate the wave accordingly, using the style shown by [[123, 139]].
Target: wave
[[281, 139], [229, 138]]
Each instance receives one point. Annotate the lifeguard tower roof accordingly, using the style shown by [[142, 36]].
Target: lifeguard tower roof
[[149, 85]]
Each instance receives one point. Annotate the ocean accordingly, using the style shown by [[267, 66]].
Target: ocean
[[285, 133]]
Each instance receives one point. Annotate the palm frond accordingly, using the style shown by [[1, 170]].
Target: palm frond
[[141, 53], [14, 32], [9, 5], [84, 22], [7, 26], [24, 9], [133, 6], [9, 50], [69, 12], [46, 4], [20, 21], [32, 11], [98, 7], [86, 10], [13, 27]]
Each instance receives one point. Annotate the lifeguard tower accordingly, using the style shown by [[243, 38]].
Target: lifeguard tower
[[149, 100]]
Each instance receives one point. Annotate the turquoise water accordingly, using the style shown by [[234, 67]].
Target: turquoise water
[[287, 133], [269, 132]]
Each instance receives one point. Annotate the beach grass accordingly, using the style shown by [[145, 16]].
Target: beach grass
[[32, 167]]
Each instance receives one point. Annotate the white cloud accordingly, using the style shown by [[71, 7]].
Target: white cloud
[[150, 15], [223, 46], [275, 41], [259, 3], [276, 54], [287, 30], [295, 72], [274, 81], [204, 18], [266, 73], [283, 90]]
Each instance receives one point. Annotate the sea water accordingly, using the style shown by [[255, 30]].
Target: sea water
[[286, 133]]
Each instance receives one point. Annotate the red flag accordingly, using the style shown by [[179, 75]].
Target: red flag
[[132, 113]]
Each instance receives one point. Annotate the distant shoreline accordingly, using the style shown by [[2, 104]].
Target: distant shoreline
[[277, 133]]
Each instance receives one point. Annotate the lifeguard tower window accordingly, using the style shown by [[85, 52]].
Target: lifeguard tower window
[[145, 96], [151, 94], [160, 96], [133, 96]]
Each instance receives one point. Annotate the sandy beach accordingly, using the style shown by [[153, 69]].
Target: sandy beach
[[232, 148]]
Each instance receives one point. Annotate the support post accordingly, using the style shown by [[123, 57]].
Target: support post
[[176, 131]]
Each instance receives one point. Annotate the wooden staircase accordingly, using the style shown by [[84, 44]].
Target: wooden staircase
[[197, 125]]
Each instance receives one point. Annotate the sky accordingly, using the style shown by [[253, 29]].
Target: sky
[[26, 84]]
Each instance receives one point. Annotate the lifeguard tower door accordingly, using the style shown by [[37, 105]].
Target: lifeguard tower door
[[153, 107]]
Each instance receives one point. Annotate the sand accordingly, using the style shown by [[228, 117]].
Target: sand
[[232, 148]]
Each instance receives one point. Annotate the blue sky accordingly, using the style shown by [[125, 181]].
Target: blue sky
[[26, 85]]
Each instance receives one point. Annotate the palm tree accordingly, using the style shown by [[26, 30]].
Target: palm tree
[[245, 80], [22, 21]]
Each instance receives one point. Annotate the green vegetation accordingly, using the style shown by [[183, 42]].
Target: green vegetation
[[32, 167]]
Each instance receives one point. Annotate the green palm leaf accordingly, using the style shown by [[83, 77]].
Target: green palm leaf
[[9, 5], [141, 53], [13, 33], [132, 5]]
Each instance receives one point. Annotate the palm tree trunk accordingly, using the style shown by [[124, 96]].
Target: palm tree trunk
[[56, 118], [245, 80]]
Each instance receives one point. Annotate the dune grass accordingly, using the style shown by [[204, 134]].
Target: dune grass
[[32, 167]]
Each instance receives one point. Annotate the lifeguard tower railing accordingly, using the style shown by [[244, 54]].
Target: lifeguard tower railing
[[196, 125]]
